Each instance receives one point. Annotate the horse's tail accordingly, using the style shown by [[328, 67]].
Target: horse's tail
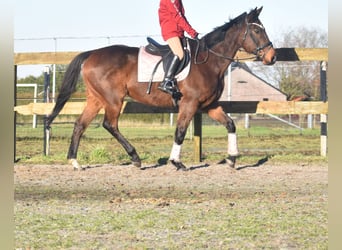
[[68, 86]]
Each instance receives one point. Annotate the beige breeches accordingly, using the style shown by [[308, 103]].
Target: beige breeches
[[176, 46]]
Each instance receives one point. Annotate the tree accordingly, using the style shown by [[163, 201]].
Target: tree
[[59, 75], [60, 71], [27, 93], [296, 78]]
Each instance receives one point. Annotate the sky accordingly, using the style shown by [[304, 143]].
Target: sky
[[75, 25]]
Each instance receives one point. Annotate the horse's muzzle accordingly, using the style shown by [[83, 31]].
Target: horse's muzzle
[[270, 56]]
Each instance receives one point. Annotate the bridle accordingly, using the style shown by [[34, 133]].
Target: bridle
[[256, 52], [260, 48]]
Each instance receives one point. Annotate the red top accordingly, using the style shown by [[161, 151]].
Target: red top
[[172, 20]]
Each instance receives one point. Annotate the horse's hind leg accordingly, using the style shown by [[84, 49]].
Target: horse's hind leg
[[88, 114], [110, 123], [219, 115]]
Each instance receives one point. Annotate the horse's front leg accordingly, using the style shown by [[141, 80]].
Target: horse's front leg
[[219, 115], [175, 156], [183, 121]]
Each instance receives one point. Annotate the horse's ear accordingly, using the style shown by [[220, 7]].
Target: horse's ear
[[259, 10], [254, 14]]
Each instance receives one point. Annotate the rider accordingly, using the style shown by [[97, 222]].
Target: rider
[[173, 25]]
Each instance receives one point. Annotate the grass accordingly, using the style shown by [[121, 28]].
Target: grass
[[154, 143], [171, 228], [243, 220], [165, 209]]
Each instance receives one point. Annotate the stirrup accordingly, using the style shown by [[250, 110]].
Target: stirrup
[[168, 86]]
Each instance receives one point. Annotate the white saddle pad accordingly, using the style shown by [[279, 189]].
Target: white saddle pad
[[147, 63]]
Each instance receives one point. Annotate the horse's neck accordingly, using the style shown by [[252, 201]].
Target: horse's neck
[[228, 50], [234, 42]]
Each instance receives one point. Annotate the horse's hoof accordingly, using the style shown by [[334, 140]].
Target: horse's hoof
[[75, 164], [231, 161], [179, 165], [137, 164]]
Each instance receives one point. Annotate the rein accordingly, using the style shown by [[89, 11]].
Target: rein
[[255, 52], [230, 58]]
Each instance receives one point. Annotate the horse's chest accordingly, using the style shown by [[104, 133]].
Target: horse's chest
[[217, 89], [213, 92]]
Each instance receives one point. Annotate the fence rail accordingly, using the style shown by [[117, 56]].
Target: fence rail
[[262, 107], [283, 54]]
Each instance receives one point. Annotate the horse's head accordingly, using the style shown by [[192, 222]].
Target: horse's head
[[255, 39]]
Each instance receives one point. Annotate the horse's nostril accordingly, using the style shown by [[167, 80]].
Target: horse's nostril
[[273, 60]]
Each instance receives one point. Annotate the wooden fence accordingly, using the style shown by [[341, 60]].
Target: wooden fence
[[253, 107], [283, 54], [262, 107]]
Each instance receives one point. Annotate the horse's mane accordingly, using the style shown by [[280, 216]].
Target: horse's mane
[[218, 34]]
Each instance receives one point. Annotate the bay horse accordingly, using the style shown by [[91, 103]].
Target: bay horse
[[110, 74]]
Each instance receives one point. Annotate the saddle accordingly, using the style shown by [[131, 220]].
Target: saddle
[[157, 49]]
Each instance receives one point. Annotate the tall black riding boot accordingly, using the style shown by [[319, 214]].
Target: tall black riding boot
[[169, 82]]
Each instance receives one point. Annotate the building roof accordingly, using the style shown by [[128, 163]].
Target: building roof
[[246, 86]]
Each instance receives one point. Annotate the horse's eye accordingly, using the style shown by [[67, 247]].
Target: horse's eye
[[257, 31]]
